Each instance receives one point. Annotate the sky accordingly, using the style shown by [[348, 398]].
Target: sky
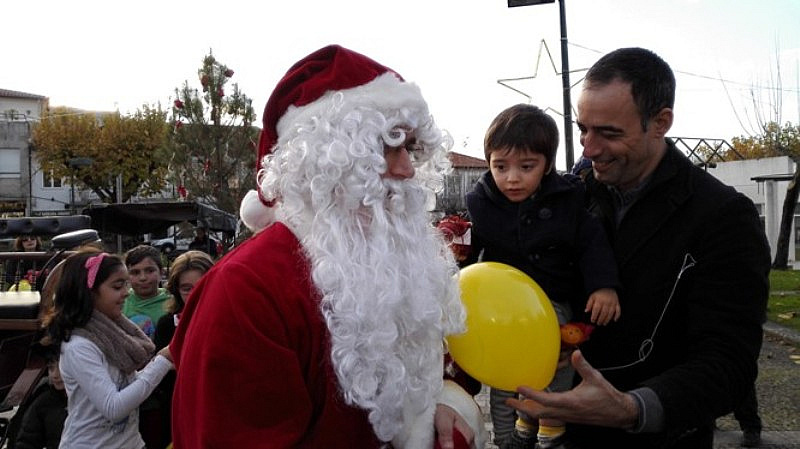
[[100, 55]]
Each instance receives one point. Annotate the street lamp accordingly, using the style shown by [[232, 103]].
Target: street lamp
[[74, 164], [564, 72]]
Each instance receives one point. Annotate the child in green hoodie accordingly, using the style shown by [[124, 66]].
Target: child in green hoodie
[[145, 302]]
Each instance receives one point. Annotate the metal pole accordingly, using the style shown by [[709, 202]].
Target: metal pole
[[72, 191], [565, 86], [119, 200]]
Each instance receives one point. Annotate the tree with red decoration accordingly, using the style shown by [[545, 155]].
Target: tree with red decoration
[[211, 145]]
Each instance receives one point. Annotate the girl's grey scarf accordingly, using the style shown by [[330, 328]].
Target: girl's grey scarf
[[122, 342]]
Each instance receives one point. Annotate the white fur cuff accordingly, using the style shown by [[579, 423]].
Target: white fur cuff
[[459, 400]]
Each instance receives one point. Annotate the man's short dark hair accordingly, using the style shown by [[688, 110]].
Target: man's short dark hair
[[651, 79], [142, 252], [522, 127]]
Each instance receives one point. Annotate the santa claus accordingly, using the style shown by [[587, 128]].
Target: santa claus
[[326, 328]]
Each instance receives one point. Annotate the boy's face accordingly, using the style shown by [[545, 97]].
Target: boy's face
[[144, 278], [55, 375], [517, 173]]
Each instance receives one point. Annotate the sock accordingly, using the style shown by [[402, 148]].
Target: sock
[[524, 428], [548, 434]]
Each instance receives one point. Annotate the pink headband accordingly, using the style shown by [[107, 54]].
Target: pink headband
[[93, 264]]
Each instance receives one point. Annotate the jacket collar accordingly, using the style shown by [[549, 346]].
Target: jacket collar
[[667, 189], [551, 184]]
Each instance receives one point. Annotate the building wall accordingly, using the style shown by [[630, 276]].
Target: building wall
[[14, 167], [17, 167], [456, 185], [768, 196]]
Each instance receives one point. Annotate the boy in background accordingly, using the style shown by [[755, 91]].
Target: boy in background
[[43, 420], [526, 215], [145, 302]]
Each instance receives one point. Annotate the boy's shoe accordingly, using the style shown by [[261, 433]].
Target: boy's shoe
[[559, 442], [517, 441], [751, 438]]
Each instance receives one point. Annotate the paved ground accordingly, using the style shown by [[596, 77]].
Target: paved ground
[[779, 395]]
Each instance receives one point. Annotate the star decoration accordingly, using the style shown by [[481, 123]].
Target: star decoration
[[545, 83]]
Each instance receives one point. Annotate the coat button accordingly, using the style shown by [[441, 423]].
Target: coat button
[[545, 213]]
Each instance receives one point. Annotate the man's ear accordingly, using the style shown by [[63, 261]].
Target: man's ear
[[662, 122]]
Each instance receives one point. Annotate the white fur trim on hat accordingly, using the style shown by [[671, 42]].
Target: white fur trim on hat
[[255, 214], [386, 92]]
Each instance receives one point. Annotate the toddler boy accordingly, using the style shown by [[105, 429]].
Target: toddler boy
[[526, 215]]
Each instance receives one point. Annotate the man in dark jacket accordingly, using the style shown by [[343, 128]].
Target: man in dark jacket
[[693, 263], [202, 242]]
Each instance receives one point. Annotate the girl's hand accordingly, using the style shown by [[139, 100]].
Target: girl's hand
[[165, 353]]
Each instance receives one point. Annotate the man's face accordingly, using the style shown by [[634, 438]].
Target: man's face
[[144, 278], [622, 154]]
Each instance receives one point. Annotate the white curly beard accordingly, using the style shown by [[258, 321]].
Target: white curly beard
[[388, 300]]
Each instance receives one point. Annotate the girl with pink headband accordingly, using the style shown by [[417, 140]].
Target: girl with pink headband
[[106, 361]]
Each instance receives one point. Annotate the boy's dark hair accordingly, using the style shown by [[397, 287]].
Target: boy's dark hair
[[142, 252], [651, 79], [73, 304], [522, 127]]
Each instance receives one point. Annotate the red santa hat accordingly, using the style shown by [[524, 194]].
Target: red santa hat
[[305, 92]]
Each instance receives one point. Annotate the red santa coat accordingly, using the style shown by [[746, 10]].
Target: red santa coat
[[252, 356]]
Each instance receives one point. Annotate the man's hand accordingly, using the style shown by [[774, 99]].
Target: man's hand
[[594, 401], [445, 420], [603, 304]]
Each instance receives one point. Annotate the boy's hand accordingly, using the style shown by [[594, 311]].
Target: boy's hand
[[604, 305]]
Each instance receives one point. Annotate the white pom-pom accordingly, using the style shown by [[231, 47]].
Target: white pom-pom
[[255, 214]]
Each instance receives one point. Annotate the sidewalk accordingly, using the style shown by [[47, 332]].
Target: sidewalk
[[723, 439]]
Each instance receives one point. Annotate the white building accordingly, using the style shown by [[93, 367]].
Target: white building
[[25, 190], [19, 111], [764, 181]]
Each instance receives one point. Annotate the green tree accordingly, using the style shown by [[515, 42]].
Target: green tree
[[212, 147], [774, 141], [124, 145]]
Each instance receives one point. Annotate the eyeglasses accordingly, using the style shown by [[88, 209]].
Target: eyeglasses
[[28, 238], [414, 148]]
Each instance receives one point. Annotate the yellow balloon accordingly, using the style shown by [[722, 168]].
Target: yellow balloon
[[512, 336]]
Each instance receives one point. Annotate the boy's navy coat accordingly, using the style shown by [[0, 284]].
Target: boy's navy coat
[[550, 236]]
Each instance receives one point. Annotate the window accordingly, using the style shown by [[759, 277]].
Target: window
[[9, 163], [49, 181]]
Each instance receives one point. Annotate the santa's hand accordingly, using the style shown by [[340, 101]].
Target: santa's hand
[[594, 401], [445, 420]]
